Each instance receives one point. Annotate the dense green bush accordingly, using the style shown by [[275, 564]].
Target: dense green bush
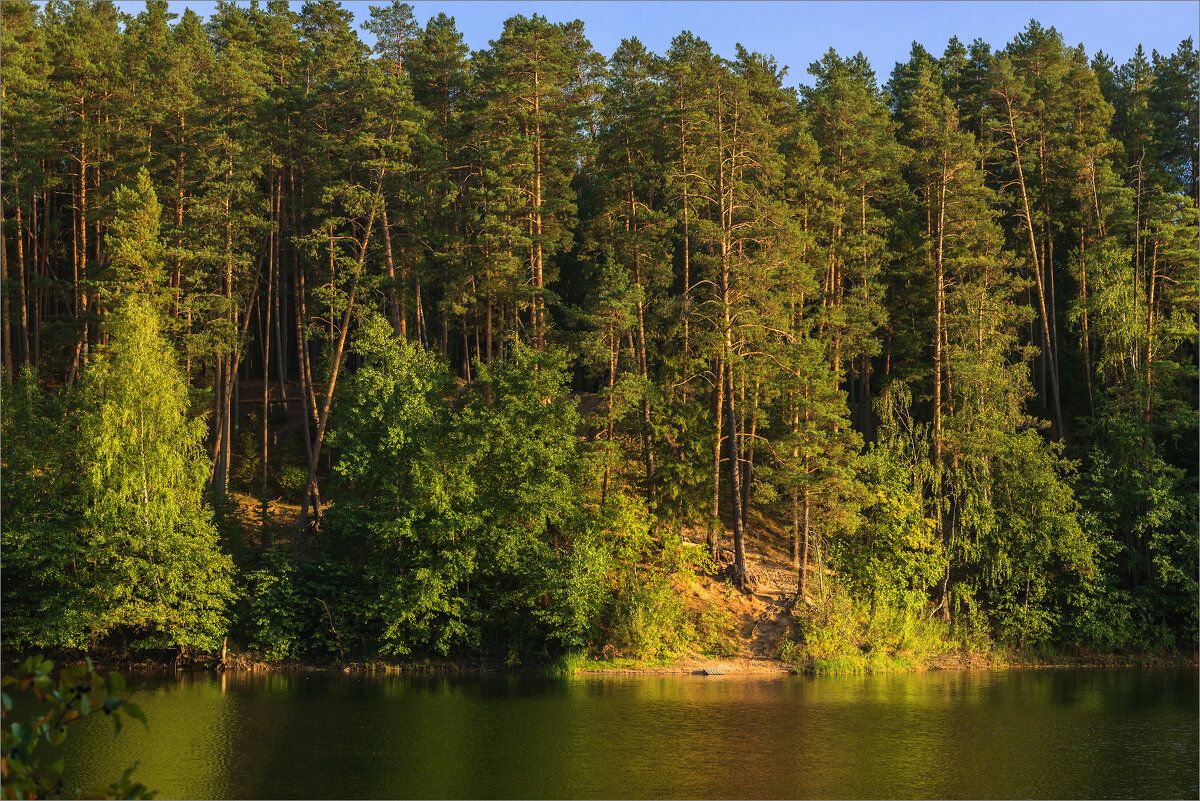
[[468, 530], [106, 530], [271, 619], [1142, 511]]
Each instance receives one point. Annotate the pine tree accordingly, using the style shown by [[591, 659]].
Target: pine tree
[[689, 72], [374, 117], [975, 395], [27, 140], [137, 260], [452, 268], [854, 134], [633, 227], [1023, 133], [532, 135], [1173, 108], [229, 211], [79, 39], [395, 32]]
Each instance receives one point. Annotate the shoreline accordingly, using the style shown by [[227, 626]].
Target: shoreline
[[972, 662], [683, 666]]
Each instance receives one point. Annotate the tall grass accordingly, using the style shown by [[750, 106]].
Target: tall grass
[[569, 664], [842, 634]]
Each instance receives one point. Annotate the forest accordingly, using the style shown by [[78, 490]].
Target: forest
[[331, 352]]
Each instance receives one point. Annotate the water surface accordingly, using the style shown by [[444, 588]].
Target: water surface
[[1012, 734]]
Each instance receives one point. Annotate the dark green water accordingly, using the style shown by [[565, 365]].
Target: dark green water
[[1015, 734]]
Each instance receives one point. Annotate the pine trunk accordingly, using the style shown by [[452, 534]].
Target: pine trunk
[[7, 327], [1051, 367], [714, 526], [339, 349], [392, 293]]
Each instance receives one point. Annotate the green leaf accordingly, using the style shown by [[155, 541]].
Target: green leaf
[[134, 711]]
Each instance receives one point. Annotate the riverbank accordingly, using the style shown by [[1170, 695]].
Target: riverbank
[[958, 661], [761, 630], [688, 665]]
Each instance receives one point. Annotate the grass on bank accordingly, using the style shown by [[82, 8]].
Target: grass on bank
[[575, 662], [843, 635]]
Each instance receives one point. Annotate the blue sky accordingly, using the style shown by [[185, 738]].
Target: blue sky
[[798, 33]]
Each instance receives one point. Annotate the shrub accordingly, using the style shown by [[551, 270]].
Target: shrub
[[79, 691], [274, 622]]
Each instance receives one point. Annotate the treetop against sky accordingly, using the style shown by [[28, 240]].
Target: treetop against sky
[[799, 33]]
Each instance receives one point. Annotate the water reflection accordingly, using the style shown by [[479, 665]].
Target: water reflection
[[1060, 734]]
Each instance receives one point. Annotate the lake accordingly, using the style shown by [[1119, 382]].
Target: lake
[[1051, 733]]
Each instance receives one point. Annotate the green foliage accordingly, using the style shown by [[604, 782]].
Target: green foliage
[[1142, 511], [1012, 557], [457, 531], [646, 619], [128, 546], [287, 470], [645, 616], [273, 622], [894, 556], [137, 256], [714, 632], [1038, 556], [537, 509], [292, 479], [843, 635], [44, 602], [568, 664], [406, 501], [77, 692], [460, 530], [741, 271], [246, 474], [157, 566]]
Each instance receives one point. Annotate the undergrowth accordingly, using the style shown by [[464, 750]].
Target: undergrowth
[[842, 634], [568, 664]]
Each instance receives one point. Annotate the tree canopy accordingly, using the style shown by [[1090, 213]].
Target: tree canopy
[[486, 339]]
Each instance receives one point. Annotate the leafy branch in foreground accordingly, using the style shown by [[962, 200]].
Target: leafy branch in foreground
[[73, 697]]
